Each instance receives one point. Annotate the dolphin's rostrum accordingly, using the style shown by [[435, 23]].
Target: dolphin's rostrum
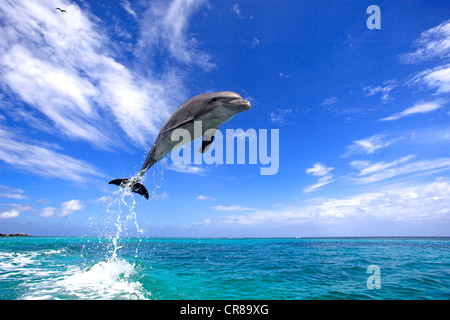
[[212, 109]]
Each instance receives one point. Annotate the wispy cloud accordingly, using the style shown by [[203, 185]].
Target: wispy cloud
[[161, 196], [329, 101], [374, 172], [418, 108], [281, 117], [65, 67], [128, 8], [384, 90], [233, 208], [67, 208], [322, 181], [14, 211], [42, 160], [48, 212], [12, 193], [167, 24], [321, 171], [185, 168], [236, 10], [437, 78], [369, 145], [366, 167], [433, 43], [406, 203], [202, 197], [255, 42], [70, 207], [420, 202], [318, 170]]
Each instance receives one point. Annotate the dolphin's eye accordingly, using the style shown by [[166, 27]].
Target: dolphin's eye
[[213, 100]]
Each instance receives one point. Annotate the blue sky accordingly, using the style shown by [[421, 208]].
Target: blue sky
[[363, 116]]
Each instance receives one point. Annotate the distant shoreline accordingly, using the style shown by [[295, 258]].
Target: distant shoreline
[[226, 238]]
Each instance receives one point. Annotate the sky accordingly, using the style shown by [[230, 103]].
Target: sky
[[362, 115]]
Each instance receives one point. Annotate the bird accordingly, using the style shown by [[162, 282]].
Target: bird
[[62, 10]]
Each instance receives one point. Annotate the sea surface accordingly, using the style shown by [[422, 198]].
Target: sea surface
[[197, 268]]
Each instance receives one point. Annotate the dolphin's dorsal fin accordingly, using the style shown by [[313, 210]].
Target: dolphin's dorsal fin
[[179, 124]]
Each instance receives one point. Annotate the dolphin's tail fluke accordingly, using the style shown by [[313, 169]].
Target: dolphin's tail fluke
[[134, 185]]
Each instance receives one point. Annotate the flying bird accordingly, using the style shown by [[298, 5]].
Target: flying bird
[[212, 109], [62, 10]]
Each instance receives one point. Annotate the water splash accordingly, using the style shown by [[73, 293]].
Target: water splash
[[103, 273], [121, 213]]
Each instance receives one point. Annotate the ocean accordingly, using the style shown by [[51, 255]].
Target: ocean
[[125, 268]]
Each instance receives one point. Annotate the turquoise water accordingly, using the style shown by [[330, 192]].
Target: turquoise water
[[148, 268]]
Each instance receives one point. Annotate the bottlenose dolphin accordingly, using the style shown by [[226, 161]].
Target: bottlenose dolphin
[[212, 109]]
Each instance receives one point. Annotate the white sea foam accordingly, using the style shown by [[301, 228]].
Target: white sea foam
[[43, 276], [110, 279], [106, 280]]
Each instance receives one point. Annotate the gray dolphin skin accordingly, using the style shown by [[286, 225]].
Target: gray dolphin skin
[[212, 109]]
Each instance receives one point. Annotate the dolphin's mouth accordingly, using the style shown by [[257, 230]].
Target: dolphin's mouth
[[240, 102]]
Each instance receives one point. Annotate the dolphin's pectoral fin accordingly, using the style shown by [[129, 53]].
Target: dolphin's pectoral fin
[[206, 144], [135, 187], [179, 124]]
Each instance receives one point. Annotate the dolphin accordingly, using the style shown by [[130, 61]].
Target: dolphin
[[212, 109]]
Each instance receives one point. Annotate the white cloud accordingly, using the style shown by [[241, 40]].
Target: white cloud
[[421, 202], [48, 212], [318, 170], [167, 24], [202, 197], [12, 193], [103, 199], [232, 208], [433, 43], [42, 160], [162, 196], [418, 108], [67, 208], [9, 214], [64, 67], [375, 172], [185, 168], [236, 10], [385, 90], [14, 211], [253, 43], [369, 145], [437, 78], [321, 171], [329, 101], [70, 207], [366, 167], [281, 116], [128, 8], [322, 181]]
